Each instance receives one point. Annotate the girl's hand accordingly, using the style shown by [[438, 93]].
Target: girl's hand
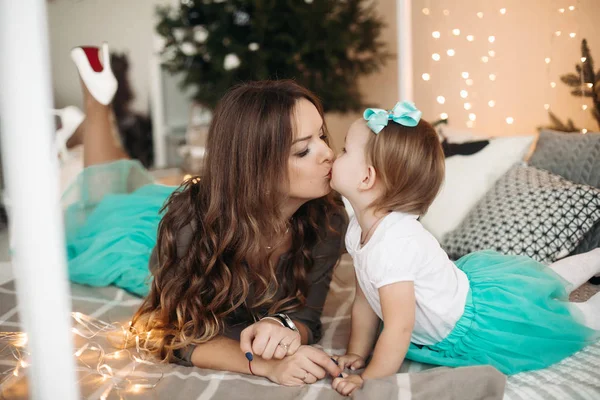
[[307, 365], [350, 360], [268, 339], [348, 384]]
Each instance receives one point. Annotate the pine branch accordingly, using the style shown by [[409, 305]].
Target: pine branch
[[571, 80], [579, 92], [581, 82], [590, 77], [557, 124], [588, 64], [596, 114]]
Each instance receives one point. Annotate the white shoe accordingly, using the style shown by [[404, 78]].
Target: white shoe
[[70, 118], [99, 79]]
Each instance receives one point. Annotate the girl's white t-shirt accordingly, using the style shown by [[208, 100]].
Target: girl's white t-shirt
[[401, 249]]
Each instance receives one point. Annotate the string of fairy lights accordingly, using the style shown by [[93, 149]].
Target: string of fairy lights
[[575, 10], [129, 369], [468, 80], [487, 59]]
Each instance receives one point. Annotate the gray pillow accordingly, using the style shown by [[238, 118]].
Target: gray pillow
[[574, 156], [529, 212]]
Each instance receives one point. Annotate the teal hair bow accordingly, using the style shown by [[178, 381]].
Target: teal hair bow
[[403, 113]]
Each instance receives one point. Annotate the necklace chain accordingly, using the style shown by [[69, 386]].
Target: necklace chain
[[362, 241]]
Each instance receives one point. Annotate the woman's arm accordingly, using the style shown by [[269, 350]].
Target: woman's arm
[[308, 318], [303, 330], [256, 337], [262, 338], [398, 308], [223, 354], [326, 256], [307, 365]]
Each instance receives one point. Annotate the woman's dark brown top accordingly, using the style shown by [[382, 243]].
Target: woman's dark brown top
[[326, 254]]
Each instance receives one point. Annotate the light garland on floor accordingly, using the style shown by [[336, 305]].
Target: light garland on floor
[[90, 328]]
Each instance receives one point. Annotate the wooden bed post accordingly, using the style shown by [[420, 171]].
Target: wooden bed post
[[31, 167], [405, 52]]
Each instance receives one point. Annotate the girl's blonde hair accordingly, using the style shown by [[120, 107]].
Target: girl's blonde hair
[[409, 162]]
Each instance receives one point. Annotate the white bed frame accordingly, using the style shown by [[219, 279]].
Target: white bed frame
[[39, 260]]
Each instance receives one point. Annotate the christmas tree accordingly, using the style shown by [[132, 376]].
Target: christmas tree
[[585, 83], [325, 45]]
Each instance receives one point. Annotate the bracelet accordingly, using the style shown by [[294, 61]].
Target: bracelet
[[275, 319], [286, 321]]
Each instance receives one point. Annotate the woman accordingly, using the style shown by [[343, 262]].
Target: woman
[[245, 252]]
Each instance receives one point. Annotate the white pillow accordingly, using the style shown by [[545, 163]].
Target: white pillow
[[468, 178]]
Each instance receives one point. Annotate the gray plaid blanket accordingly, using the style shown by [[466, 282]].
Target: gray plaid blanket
[[576, 377]]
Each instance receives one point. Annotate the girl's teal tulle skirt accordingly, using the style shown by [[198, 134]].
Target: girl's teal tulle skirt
[[517, 318], [111, 222]]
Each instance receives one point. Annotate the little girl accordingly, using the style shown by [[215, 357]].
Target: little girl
[[507, 311]]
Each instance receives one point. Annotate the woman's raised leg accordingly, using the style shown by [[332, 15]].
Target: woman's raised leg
[[99, 133]]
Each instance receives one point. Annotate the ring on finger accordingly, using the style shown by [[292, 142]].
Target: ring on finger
[[285, 346]]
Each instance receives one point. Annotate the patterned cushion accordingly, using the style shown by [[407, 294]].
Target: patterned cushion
[[590, 240], [528, 212], [573, 156]]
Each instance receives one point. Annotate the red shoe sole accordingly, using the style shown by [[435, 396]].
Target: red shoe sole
[[92, 54]]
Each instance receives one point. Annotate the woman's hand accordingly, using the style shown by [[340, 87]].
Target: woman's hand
[[307, 365], [350, 360], [268, 339], [347, 384]]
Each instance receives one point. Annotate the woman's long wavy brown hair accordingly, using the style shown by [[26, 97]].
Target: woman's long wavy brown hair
[[232, 212]]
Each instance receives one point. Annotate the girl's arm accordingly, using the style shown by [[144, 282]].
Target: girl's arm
[[398, 308], [223, 354], [364, 325]]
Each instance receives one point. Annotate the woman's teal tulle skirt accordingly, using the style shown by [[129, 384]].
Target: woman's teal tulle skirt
[[111, 221], [517, 318]]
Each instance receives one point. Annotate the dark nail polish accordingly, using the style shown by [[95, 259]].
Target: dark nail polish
[[249, 356], [336, 363]]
